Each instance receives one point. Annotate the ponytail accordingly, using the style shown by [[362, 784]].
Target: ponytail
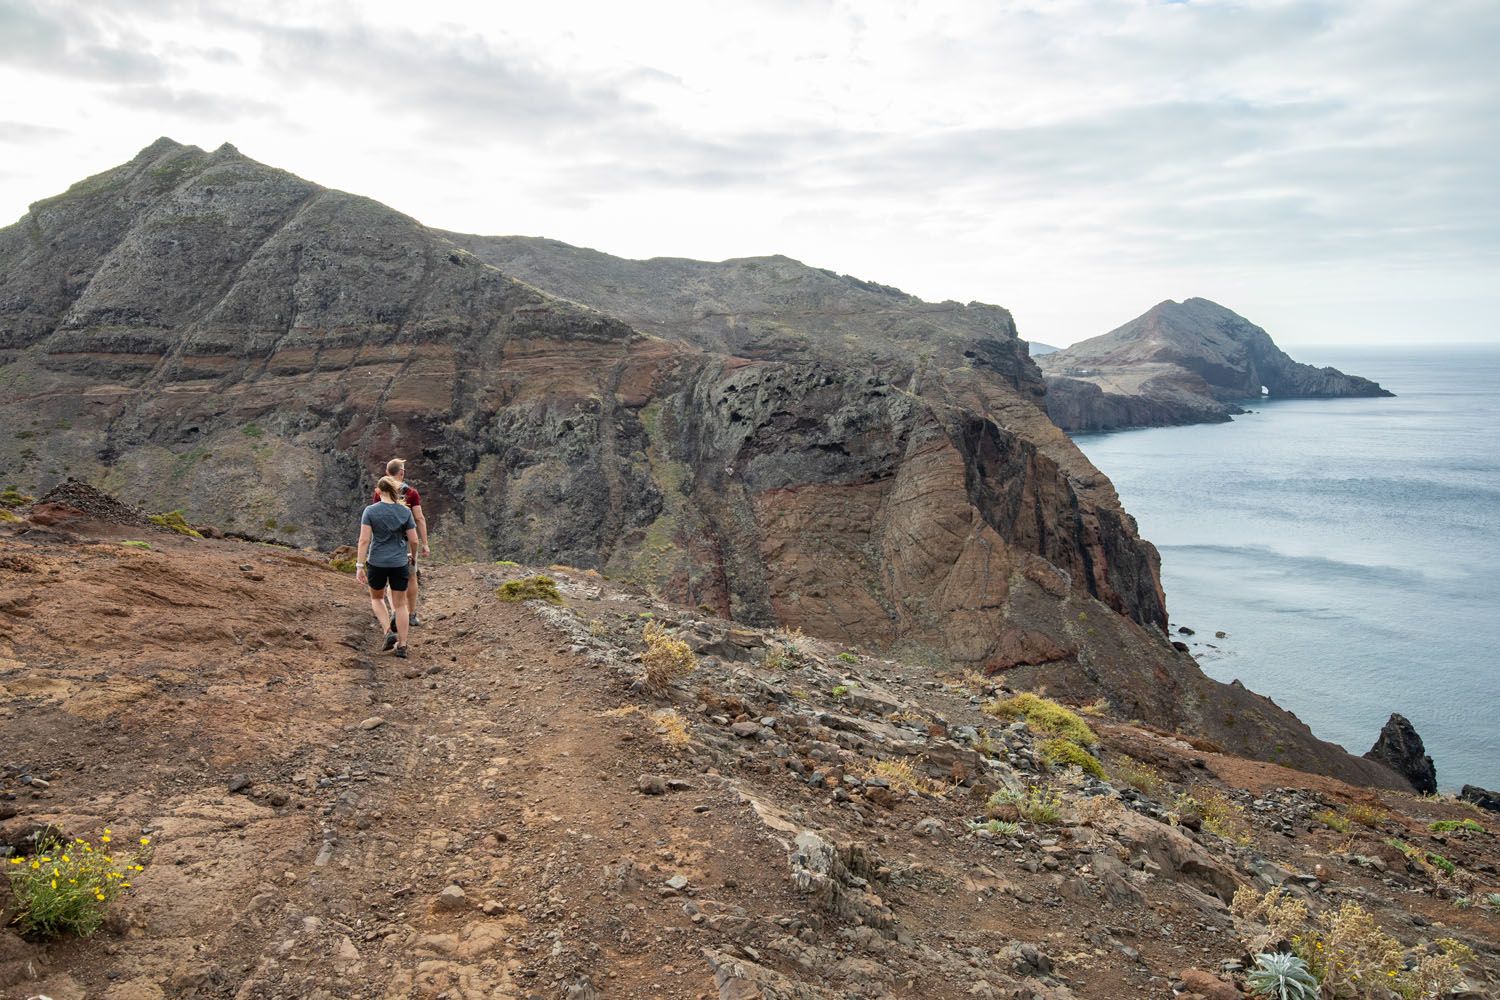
[[389, 488]]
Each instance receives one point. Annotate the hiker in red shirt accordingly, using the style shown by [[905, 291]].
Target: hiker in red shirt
[[408, 495]]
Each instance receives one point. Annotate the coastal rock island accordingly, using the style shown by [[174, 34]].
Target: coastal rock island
[[1186, 362]]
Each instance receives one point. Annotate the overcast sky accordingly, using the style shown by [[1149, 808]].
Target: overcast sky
[[1330, 170]]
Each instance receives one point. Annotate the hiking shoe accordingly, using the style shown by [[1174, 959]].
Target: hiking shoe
[[401, 652], [414, 621], [390, 641]]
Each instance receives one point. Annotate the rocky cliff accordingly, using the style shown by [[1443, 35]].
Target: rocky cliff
[[781, 444], [1180, 363]]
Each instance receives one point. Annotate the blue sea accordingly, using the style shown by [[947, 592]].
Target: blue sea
[[1349, 548]]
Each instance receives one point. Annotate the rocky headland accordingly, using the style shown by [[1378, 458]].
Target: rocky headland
[[1184, 362], [774, 443]]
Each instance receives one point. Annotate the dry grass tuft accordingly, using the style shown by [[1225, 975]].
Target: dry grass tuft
[[1366, 815], [901, 776], [672, 728], [1142, 777], [666, 659]]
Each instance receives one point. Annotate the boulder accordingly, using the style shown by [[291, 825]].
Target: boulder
[[1400, 749], [1481, 797], [1178, 857], [1208, 985]]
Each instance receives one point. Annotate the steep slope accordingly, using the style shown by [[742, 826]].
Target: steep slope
[[198, 330], [1180, 362], [508, 815]]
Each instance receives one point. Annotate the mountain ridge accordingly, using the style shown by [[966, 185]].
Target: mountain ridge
[[217, 335]]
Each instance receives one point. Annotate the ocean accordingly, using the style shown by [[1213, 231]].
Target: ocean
[[1349, 548]]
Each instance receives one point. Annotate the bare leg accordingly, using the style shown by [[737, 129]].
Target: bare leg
[[411, 592], [377, 605], [399, 599]]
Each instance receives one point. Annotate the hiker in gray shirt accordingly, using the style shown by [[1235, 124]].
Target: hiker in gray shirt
[[387, 542]]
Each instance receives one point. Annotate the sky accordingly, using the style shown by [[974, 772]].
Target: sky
[[1330, 170]]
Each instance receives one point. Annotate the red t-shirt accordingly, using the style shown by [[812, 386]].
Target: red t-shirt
[[409, 496]]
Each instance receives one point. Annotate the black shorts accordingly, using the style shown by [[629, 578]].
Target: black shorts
[[382, 576]]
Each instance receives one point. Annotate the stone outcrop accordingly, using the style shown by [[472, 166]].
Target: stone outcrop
[[194, 330], [1481, 797], [1180, 363], [1400, 748]]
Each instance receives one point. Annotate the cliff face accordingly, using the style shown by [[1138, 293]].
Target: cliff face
[[1179, 363], [199, 331]]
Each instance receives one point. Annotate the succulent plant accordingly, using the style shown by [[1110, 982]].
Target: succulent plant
[[1282, 977]]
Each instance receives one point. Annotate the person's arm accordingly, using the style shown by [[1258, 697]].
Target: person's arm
[[364, 549], [421, 519], [411, 544]]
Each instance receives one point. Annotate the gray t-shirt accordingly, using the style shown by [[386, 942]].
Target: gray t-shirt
[[388, 523]]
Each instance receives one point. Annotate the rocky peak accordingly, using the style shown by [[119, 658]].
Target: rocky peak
[[1400, 748]]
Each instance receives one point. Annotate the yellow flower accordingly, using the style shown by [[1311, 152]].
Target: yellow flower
[[104, 839], [145, 841], [54, 883], [66, 858], [15, 861], [44, 860], [107, 831], [36, 864], [124, 885]]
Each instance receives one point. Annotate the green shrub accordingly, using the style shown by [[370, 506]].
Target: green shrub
[[848, 658], [1449, 825], [532, 588], [1334, 821], [6, 517], [136, 545], [1037, 804], [1441, 863], [1065, 753], [507, 564], [12, 497], [344, 565], [1044, 715], [65, 887], [175, 521], [839, 690], [251, 430]]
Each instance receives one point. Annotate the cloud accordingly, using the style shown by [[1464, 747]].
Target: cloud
[[991, 149], [18, 133], [67, 40], [447, 82], [190, 103]]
